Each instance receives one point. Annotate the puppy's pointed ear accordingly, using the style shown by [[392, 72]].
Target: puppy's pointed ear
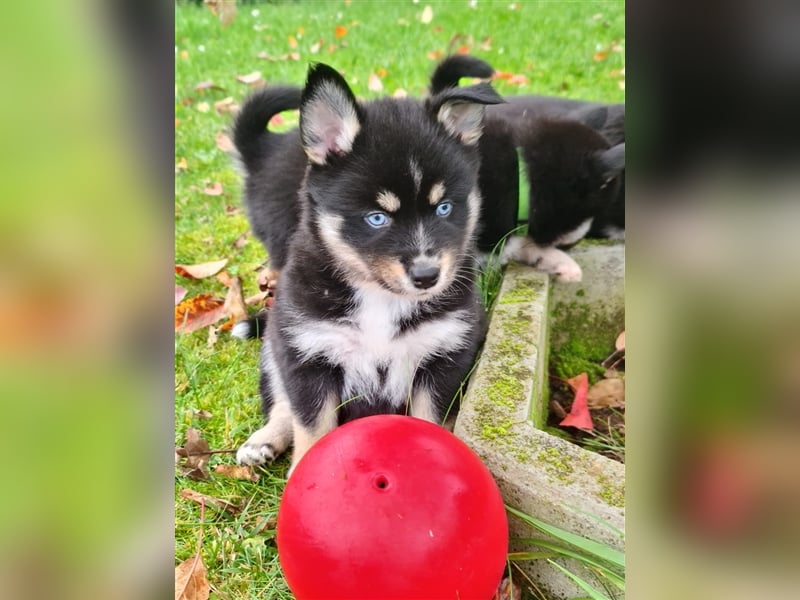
[[612, 161], [461, 110], [329, 115]]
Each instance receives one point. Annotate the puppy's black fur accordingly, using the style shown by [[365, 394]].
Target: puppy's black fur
[[376, 309]]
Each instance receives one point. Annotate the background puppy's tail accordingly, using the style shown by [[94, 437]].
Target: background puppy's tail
[[453, 68], [251, 328], [250, 132]]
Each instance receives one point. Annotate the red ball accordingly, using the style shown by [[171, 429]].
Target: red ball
[[392, 507]]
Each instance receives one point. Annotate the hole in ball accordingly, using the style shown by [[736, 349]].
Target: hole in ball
[[381, 482]]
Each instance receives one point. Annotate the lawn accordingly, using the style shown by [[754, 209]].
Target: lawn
[[571, 49]]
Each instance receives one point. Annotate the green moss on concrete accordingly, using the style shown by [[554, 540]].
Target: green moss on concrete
[[556, 464], [612, 493], [582, 339], [526, 289]]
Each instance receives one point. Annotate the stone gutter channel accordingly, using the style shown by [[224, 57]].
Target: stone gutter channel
[[505, 405]]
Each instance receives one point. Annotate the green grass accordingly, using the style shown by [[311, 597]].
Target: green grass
[[553, 44]]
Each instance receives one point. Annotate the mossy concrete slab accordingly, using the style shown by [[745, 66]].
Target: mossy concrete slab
[[543, 475]]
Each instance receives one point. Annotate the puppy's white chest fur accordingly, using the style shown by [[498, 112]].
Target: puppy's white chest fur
[[377, 359]]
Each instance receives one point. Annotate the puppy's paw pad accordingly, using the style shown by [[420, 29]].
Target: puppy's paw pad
[[255, 454]]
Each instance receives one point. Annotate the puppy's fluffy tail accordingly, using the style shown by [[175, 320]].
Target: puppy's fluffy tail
[[453, 68], [250, 133], [252, 327]]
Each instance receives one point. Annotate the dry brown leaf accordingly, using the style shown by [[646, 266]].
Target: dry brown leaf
[[508, 590], [400, 93], [198, 312], [620, 343], [241, 241], [215, 189], [196, 453], [244, 472], [201, 414], [224, 142], [201, 270], [224, 278], [221, 505], [374, 83], [227, 12], [203, 107], [234, 301], [226, 106], [315, 48], [256, 298], [606, 393], [181, 165], [180, 294], [190, 580], [253, 79]]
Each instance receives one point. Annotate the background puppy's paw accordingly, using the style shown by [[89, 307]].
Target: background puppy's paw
[[255, 454], [569, 273]]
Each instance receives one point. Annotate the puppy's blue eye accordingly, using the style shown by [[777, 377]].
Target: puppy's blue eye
[[444, 209], [377, 219]]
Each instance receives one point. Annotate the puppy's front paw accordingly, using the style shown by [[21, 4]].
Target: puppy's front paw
[[569, 273], [251, 453]]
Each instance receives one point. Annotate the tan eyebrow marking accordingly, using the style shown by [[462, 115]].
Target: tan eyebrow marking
[[436, 193], [388, 201]]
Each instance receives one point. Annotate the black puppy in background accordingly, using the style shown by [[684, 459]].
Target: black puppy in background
[[376, 308], [573, 155]]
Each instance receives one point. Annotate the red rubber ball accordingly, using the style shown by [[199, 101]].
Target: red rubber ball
[[392, 508]]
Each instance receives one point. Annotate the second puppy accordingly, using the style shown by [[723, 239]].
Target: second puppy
[[376, 310]]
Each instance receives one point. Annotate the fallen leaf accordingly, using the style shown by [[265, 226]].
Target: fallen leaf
[[252, 79], [579, 413], [508, 590], [203, 107], [198, 312], [315, 47], [486, 44], [293, 56], [204, 499], [427, 15], [234, 301], [600, 55], [277, 120], [292, 42], [340, 31], [435, 54], [231, 210], [190, 580], [224, 142], [606, 393], [180, 294], [224, 278], [244, 472], [222, 505], [215, 189], [201, 414], [374, 83], [241, 241], [201, 270], [181, 165], [400, 93], [196, 453], [227, 12], [226, 106], [265, 524], [256, 298], [510, 78], [207, 85]]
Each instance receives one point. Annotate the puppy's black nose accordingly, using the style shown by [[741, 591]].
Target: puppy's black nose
[[424, 277]]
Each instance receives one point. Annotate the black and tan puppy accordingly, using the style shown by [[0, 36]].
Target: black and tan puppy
[[376, 308]]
